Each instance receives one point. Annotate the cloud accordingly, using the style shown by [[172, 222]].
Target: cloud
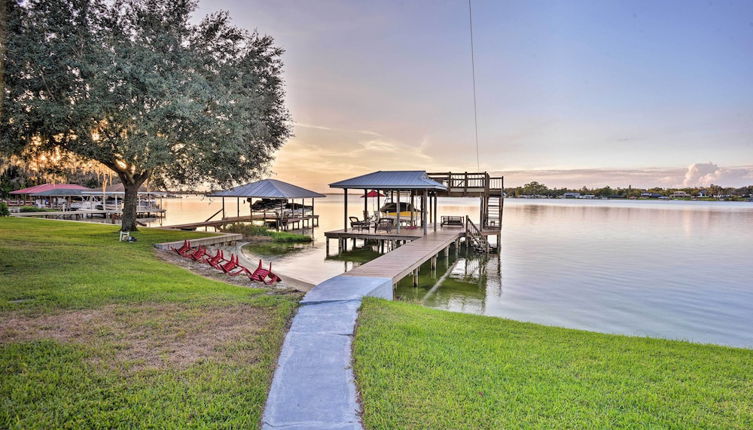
[[697, 174], [705, 174]]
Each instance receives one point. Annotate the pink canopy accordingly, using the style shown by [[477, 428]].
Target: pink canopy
[[47, 187]]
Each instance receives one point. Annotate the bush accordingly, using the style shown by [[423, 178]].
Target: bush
[[248, 230], [4, 211], [35, 209], [284, 236]]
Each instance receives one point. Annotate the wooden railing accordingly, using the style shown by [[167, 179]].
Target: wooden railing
[[474, 234], [465, 181]]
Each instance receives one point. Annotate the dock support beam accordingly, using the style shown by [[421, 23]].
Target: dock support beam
[[345, 210], [415, 277]]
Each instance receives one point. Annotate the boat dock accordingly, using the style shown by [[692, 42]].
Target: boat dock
[[407, 258], [294, 222]]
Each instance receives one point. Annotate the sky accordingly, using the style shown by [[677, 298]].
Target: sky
[[569, 93]]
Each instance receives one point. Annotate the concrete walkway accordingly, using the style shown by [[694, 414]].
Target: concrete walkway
[[313, 386]]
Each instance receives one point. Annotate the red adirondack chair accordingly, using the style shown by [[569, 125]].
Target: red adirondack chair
[[199, 253], [216, 260], [261, 275], [183, 250], [231, 265]]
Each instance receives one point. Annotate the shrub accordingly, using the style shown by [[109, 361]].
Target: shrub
[[248, 230], [35, 209], [4, 211]]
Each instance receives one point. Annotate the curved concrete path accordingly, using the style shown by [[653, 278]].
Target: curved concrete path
[[313, 386]]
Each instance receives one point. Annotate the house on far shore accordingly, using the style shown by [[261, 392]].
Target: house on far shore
[[679, 195], [647, 195], [571, 196], [587, 196]]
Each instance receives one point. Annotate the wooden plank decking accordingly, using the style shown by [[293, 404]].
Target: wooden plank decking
[[247, 218], [402, 261]]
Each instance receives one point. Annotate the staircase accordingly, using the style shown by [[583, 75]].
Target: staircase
[[474, 237]]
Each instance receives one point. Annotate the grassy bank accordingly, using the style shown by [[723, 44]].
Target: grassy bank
[[422, 368], [99, 333]]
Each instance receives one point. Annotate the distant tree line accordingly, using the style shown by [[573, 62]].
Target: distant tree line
[[537, 189]]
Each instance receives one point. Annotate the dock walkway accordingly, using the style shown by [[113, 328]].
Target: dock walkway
[[402, 261], [313, 385]]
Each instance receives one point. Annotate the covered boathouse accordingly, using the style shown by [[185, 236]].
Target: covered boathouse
[[417, 191]]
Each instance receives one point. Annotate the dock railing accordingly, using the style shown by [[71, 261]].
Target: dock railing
[[464, 182]]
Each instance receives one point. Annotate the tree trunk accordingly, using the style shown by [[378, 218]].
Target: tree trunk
[[130, 202]]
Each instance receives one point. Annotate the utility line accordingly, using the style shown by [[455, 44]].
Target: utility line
[[473, 71]]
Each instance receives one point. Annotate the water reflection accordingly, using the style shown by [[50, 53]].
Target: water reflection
[[679, 270]]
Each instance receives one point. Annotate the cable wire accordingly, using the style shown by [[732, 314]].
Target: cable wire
[[473, 74]]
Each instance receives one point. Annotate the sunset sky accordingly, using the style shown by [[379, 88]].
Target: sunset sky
[[570, 93]]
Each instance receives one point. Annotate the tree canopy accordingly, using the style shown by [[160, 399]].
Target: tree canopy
[[134, 85]]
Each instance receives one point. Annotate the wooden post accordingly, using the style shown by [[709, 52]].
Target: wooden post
[[378, 205], [433, 264], [415, 277], [447, 256], [223, 208], [397, 211], [345, 206], [412, 201], [435, 211], [365, 203], [424, 215]]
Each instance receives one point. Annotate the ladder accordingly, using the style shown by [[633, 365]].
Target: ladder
[[493, 212]]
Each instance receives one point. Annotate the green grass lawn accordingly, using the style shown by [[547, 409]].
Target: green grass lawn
[[427, 369], [100, 333]]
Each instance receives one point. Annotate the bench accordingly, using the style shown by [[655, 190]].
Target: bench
[[452, 220]]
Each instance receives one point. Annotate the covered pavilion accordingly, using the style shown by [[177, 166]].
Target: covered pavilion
[[396, 183], [269, 189]]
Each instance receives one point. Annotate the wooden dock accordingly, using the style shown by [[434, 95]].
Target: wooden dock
[[407, 258], [307, 221], [65, 214]]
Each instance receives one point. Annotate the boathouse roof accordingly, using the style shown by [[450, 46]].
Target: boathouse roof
[[46, 187], [269, 189], [391, 180], [61, 192]]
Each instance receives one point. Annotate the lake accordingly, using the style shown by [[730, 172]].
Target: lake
[[670, 269]]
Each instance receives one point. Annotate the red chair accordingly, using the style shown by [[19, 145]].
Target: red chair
[[183, 250], [216, 260], [261, 275], [231, 265], [200, 253]]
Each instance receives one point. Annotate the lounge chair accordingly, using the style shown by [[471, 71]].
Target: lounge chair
[[261, 275], [231, 265], [200, 253], [217, 260], [356, 223], [183, 250], [385, 224]]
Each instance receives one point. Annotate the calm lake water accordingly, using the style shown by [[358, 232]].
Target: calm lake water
[[671, 269]]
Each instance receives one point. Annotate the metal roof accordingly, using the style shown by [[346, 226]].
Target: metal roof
[[59, 192], [122, 193], [391, 180], [46, 187], [270, 189]]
